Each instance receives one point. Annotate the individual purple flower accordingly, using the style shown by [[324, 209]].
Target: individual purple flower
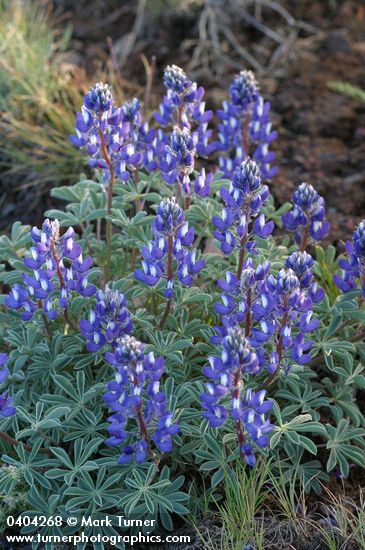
[[241, 218], [353, 265], [136, 393], [228, 373], [108, 321], [245, 128], [202, 183], [58, 270], [6, 403], [172, 241], [4, 372], [307, 218]]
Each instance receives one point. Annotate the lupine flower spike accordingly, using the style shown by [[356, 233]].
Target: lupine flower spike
[[136, 393], [245, 128], [353, 267], [108, 321], [115, 139], [182, 107], [276, 310], [307, 219], [227, 373], [173, 239], [58, 270], [241, 219]]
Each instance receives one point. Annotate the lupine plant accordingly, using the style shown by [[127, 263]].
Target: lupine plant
[[160, 321]]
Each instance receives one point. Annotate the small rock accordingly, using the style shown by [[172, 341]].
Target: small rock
[[337, 42]]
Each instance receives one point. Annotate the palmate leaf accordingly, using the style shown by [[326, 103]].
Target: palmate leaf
[[104, 491], [342, 450], [291, 431], [32, 464], [86, 425], [69, 469], [303, 398], [151, 496], [213, 455], [342, 402]]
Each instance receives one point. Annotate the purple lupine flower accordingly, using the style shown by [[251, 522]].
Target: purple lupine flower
[[307, 218], [58, 270], [173, 238], [276, 311], [114, 138], [245, 128], [108, 321], [183, 106], [6, 403], [4, 373], [227, 372], [241, 217], [353, 266], [136, 393], [301, 263], [178, 162], [182, 103], [262, 135], [202, 183], [244, 89]]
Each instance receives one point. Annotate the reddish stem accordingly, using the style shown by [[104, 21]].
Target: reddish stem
[[45, 320], [13, 441], [246, 138], [236, 395], [241, 256], [248, 314], [141, 422], [305, 239]]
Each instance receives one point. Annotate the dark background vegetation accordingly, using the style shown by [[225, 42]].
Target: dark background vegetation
[[296, 47]]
